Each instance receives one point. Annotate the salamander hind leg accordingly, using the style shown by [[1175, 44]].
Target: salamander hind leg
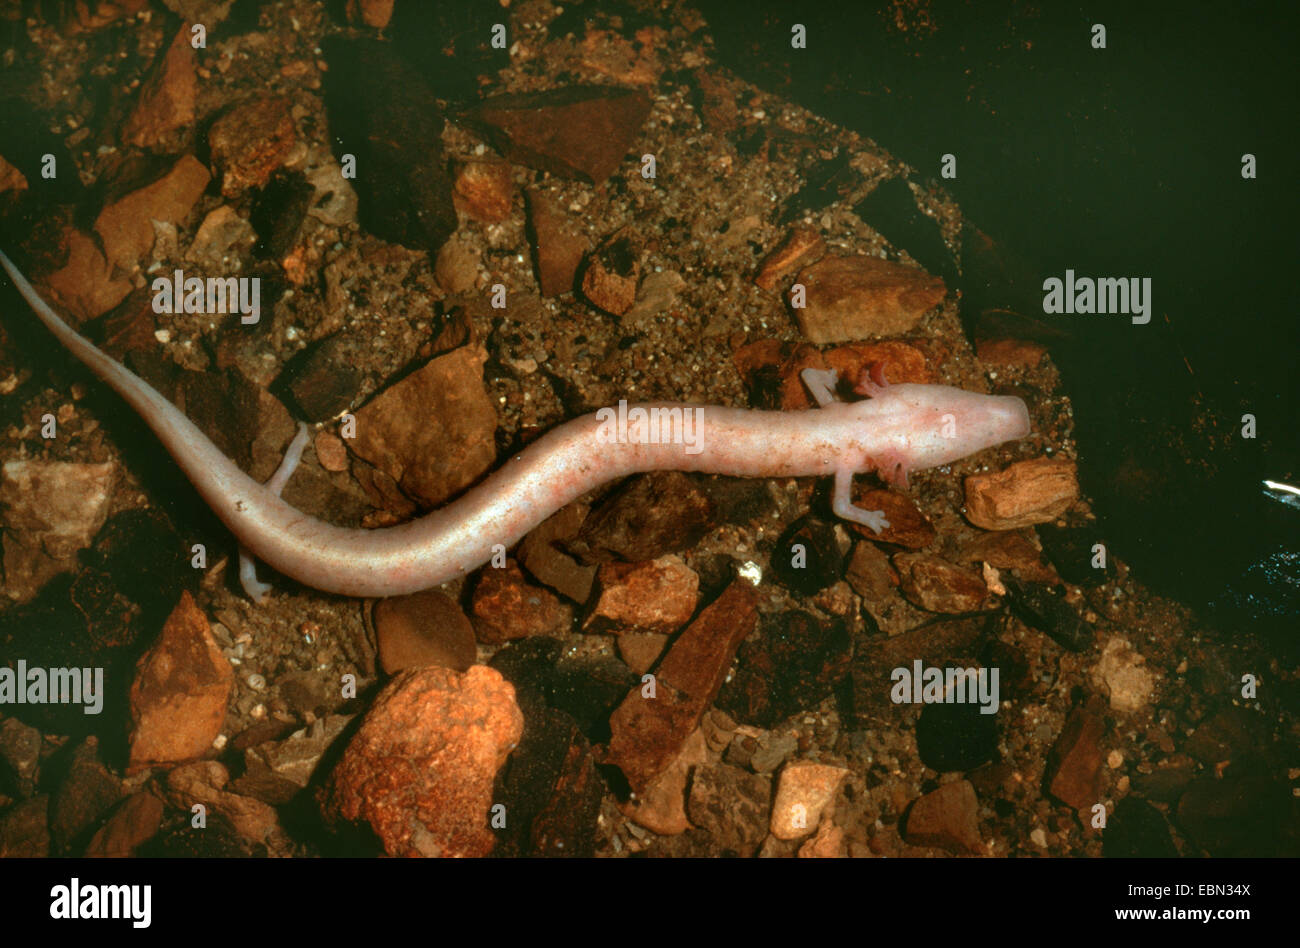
[[256, 589], [842, 504]]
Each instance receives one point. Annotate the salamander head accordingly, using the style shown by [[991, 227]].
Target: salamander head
[[937, 424]]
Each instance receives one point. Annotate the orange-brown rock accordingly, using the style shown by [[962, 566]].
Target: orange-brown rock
[[858, 297], [651, 596], [507, 606], [804, 790], [610, 278], [661, 807], [1010, 549], [372, 13], [203, 782], [125, 225], [250, 141], [1026, 493], [483, 190], [132, 824], [947, 817], [84, 284], [1074, 763], [179, 695], [647, 732], [558, 244], [420, 769], [1010, 352], [936, 585], [166, 100], [899, 361], [771, 370], [907, 525], [434, 431], [802, 245]]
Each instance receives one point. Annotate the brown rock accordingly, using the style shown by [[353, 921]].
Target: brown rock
[[202, 782], [546, 563], [84, 284], [372, 13], [558, 244], [250, 141], [948, 818], [85, 793], [640, 650], [129, 327], [125, 225], [25, 831], [483, 190], [457, 266], [899, 361], [1010, 549], [1073, 772], [331, 452], [434, 431], [420, 769], [954, 642], [166, 100], [647, 732], [656, 295], [610, 279], [655, 596], [1026, 493], [801, 246], [656, 514], [90, 16], [1010, 352], [132, 825], [733, 806], [827, 844], [505, 606], [578, 132], [661, 807], [11, 179], [179, 695], [870, 573], [804, 790], [936, 585], [275, 771], [426, 628], [858, 297], [50, 511], [908, 527], [771, 370], [717, 100]]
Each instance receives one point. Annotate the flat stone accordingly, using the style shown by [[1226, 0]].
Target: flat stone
[[130, 826], [559, 244], [647, 732], [655, 514], [800, 246], [860, 297], [653, 596], [167, 95], [434, 431], [733, 806], [580, 132], [427, 628], [908, 527], [542, 558], [609, 280], [181, 689], [484, 190], [948, 818], [125, 225], [1074, 764], [936, 585]]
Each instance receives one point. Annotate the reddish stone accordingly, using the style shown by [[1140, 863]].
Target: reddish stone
[[250, 141], [166, 100], [125, 225], [420, 769], [558, 244], [506, 606], [948, 818], [1074, 764], [653, 596], [859, 297], [907, 525], [936, 585], [1026, 493], [483, 190], [800, 246], [427, 628]]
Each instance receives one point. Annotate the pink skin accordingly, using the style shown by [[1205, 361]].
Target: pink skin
[[900, 428]]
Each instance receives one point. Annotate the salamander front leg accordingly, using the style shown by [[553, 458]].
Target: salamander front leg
[[821, 384], [256, 589], [842, 504]]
